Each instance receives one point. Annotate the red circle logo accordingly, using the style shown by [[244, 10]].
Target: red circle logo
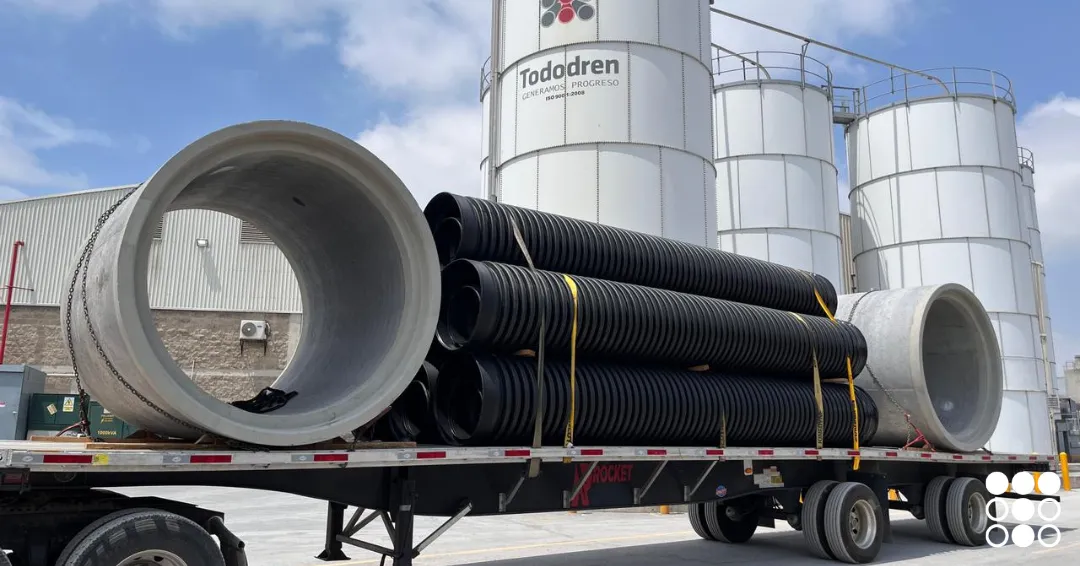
[[565, 11]]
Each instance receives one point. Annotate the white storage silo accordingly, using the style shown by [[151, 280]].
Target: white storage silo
[[776, 187], [1031, 217], [604, 113], [937, 197]]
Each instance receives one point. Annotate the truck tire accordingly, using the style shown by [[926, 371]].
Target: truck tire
[[812, 517], [697, 521], [934, 499], [965, 511], [82, 534], [854, 523], [150, 535], [725, 529]]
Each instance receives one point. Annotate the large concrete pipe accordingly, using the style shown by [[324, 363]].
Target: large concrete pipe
[[934, 352], [357, 242]]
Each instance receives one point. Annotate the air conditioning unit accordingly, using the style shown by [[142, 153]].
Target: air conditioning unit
[[254, 330]]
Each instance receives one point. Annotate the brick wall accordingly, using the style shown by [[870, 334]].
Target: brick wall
[[204, 344]]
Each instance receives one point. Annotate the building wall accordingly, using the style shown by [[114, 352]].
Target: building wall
[[199, 293], [1072, 379], [239, 269], [204, 344]]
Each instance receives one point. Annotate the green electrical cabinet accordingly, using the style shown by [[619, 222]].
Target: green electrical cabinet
[[52, 412]]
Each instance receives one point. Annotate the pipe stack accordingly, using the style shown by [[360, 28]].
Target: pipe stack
[[667, 342]]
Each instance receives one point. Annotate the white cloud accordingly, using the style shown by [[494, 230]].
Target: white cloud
[[10, 193], [434, 149], [427, 54], [418, 47], [1051, 130], [67, 8], [24, 131]]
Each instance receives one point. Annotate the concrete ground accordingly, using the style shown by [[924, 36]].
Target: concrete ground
[[283, 530]]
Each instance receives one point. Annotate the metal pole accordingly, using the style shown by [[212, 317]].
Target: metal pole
[[1048, 378], [10, 293], [495, 108], [827, 46]]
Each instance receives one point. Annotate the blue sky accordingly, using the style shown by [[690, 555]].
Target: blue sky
[[100, 92]]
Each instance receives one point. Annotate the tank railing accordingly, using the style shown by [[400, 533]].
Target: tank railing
[[1027, 159], [485, 77], [757, 66], [846, 100], [927, 83], [742, 58]]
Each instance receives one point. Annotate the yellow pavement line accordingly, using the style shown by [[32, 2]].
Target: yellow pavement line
[[528, 546], [1072, 546]]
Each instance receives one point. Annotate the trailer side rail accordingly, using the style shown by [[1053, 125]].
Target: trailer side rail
[[71, 457]]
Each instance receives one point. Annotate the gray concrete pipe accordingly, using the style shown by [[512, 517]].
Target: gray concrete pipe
[[934, 351], [363, 257]]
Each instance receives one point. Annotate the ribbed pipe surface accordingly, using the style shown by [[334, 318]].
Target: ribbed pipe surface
[[411, 417], [493, 306], [487, 400], [472, 228]]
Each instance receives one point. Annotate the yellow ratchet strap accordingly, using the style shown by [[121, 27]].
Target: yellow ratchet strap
[[851, 383], [855, 411], [568, 439], [820, 443]]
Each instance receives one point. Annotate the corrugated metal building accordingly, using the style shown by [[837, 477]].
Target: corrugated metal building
[[208, 272], [200, 260]]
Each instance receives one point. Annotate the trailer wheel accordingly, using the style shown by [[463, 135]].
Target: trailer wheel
[[85, 531], [812, 517], [697, 521], [934, 507], [965, 511], [145, 536], [727, 525], [853, 523]]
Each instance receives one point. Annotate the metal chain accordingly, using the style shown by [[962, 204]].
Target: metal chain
[[81, 268]]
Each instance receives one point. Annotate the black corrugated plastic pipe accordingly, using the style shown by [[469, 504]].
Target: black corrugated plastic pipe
[[411, 417], [472, 228], [494, 306], [491, 400]]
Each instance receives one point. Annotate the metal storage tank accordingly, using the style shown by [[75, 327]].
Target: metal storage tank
[[937, 197], [603, 113], [1034, 237], [776, 187]]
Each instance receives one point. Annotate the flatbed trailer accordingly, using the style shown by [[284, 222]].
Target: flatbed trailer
[[56, 507]]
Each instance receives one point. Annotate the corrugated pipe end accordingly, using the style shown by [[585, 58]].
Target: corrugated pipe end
[[935, 352]]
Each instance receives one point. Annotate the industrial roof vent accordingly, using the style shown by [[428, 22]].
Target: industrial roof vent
[[158, 229], [249, 234]]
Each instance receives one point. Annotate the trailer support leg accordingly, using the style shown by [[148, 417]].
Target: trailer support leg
[[399, 526], [402, 533], [878, 483], [335, 520]]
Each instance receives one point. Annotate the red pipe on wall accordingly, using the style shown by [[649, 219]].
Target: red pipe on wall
[[10, 292]]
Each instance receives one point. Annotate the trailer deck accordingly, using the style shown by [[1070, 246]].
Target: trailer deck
[[60, 486]]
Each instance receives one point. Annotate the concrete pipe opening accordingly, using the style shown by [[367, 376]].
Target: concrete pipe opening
[[363, 257], [935, 352]]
